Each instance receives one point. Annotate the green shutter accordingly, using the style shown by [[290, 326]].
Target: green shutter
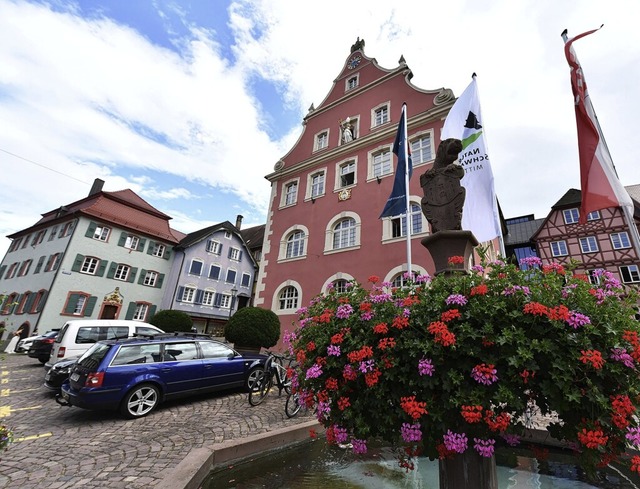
[[101, 268], [141, 243], [43, 301], [77, 263], [167, 253], [152, 245], [130, 310], [112, 270], [91, 230], [143, 274], [151, 313], [29, 304], [123, 239], [159, 281], [2, 269], [91, 303], [71, 304], [132, 274]]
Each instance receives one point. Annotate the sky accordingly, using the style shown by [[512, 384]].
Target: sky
[[190, 103]]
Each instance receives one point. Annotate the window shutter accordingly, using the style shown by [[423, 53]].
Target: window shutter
[[217, 300], [38, 266], [16, 303], [240, 256], [71, 304], [77, 263], [151, 312], [132, 274], [112, 270], [214, 272], [91, 230], [220, 249], [101, 268], [143, 274], [3, 268], [141, 243], [152, 245], [160, 280], [123, 239], [91, 303], [43, 301], [167, 254], [229, 254], [130, 310], [180, 293], [199, 294], [29, 304]]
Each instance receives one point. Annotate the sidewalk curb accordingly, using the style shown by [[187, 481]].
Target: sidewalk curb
[[196, 466]]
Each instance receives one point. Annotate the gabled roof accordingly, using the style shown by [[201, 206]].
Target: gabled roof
[[254, 236], [570, 198], [197, 236], [521, 232]]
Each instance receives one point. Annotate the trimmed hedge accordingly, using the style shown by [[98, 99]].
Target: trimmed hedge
[[171, 321], [253, 327]]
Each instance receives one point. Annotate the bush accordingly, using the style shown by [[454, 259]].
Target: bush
[[253, 327], [170, 321]]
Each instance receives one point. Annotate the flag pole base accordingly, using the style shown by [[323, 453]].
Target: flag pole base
[[442, 245]]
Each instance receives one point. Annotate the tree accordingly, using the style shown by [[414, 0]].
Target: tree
[[253, 327], [170, 321]]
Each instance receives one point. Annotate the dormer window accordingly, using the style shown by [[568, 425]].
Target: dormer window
[[351, 83]]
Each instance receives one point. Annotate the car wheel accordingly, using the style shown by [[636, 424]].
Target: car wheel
[[43, 360], [255, 374], [140, 401]]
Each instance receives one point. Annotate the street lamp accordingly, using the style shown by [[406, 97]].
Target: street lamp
[[234, 292]]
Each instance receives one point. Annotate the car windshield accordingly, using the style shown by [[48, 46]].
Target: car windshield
[[94, 355]]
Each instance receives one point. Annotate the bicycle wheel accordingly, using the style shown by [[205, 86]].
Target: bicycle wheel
[[292, 406], [260, 390]]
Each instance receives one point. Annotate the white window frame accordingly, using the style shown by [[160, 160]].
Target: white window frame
[[560, 244], [290, 193], [229, 271], [102, 233], [380, 114], [196, 260], [288, 298], [330, 231], [90, 265], [632, 272], [248, 279], [352, 82], [593, 216], [594, 278], [150, 278], [571, 216], [620, 240], [142, 309], [380, 163], [208, 297], [189, 293], [282, 251], [122, 272], [79, 308], [420, 156], [589, 244], [158, 250], [295, 246], [234, 254], [317, 189], [131, 243], [225, 300], [417, 220], [346, 164], [321, 140], [214, 247]]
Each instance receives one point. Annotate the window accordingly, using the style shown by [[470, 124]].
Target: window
[[352, 82], [594, 276], [26, 241], [67, 229], [188, 294], [231, 277], [235, 254], [295, 244], [37, 239], [380, 115], [344, 234], [158, 250], [12, 270], [399, 280], [24, 268], [421, 150], [288, 298], [317, 184], [196, 267], [39, 301], [39, 264], [399, 224], [630, 274], [322, 140], [559, 248], [593, 216], [214, 272], [131, 242], [52, 235], [214, 247], [290, 193], [215, 350], [150, 278], [15, 244], [9, 303], [589, 244], [207, 297], [571, 216], [620, 240], [53, 262], [340, 285], [225, 301], [122, 272], [102, 233], [246, 280], [141, 311], [227, 234], [381, 163], [347, 174], [79, 306], [89, 265]]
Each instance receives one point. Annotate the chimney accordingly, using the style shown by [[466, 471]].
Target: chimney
[[239, 222], [96, 187]]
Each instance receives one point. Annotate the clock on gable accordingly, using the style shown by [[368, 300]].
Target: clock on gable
[[353, 62]]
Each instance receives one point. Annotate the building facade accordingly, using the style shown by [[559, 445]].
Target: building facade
[[212, 275], [603, 242], [105, 256], [323, 226]]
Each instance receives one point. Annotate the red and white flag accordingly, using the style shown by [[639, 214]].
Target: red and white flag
[[599, 182]]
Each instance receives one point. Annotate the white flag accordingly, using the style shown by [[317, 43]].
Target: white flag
[[464, 122]]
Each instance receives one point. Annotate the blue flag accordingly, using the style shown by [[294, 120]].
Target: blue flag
[[397, 201]]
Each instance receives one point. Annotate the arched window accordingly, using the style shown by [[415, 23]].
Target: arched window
[[340, 285], [288, 298], [344, 234], [295, 244]]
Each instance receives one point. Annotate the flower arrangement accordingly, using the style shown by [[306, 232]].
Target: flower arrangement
[[459, 362]]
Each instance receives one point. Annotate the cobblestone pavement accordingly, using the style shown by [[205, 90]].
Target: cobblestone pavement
[[62, 447]]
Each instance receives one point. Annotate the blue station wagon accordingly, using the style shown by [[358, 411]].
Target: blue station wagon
[[135, 375]]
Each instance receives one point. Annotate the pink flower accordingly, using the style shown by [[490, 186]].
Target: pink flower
[[359, 446], [425, 367], [484, 447], [484, 374], [411, 432], [455, 442]]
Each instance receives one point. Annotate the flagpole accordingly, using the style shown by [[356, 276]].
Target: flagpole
[[407, 193], [626, 212]]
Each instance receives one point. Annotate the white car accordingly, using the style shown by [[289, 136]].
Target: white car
[[25, 343]]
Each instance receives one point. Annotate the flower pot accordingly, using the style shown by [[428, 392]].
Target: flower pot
[[468, 470]]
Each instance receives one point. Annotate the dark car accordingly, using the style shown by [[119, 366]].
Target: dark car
[[59, 373], [135, 375], [41, 346]]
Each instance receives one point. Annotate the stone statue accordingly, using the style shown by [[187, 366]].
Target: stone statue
[[347, 130], [443, 195]]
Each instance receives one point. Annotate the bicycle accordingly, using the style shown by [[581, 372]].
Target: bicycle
[[294, 405], [274, 373]]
